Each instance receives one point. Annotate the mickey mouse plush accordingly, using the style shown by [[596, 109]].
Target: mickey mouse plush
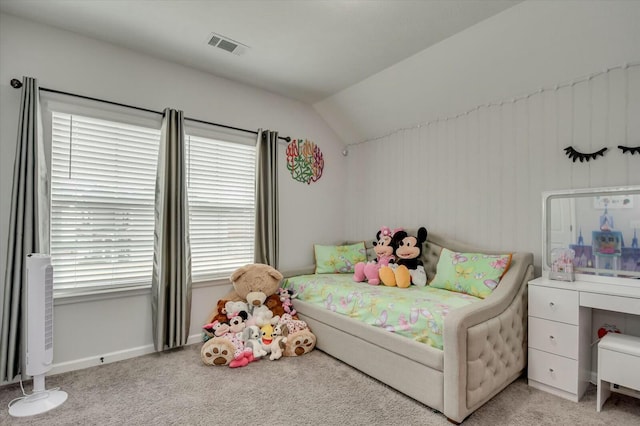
[[408, 268]]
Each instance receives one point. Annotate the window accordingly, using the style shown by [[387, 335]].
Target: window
[[221, 188], [103, 171], [102, 202]]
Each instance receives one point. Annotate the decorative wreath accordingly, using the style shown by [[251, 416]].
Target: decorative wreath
[[304, 160]]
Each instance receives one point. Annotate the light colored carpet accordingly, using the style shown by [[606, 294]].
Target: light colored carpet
[[175, 388]]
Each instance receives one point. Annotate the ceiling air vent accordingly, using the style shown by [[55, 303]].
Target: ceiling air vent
[[225, 43]]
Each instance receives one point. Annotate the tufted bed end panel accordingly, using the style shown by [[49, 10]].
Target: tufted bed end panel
[[497, 350]]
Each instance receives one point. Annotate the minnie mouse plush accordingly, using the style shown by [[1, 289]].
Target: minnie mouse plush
[[384, 255], [408, 268]]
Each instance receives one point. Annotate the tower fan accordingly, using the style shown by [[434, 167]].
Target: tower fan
[[39, 338]]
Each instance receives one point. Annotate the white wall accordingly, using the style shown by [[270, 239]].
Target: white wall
[[476, 171], [64, 61], [530, 45], [478, 176]]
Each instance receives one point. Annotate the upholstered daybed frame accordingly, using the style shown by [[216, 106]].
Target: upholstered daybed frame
[[485, 343]]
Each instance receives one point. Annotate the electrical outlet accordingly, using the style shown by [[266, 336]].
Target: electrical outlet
[[624, 390]]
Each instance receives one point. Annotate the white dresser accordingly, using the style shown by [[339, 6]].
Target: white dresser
[[560, 330]]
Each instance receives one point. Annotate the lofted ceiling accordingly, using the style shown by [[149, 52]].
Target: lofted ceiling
[[305, 50]]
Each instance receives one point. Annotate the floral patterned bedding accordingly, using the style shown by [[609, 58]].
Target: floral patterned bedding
[[415, 312]]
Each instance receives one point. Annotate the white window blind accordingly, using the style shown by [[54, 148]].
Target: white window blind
[[221, 188], [102, 202]]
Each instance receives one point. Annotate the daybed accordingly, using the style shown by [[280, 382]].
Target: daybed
[[484, 343]]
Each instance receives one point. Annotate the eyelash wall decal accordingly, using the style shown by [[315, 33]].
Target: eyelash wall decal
[[575, 155], [630, 149]]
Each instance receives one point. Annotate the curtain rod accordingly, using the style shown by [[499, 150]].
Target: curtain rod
[[16, 84]]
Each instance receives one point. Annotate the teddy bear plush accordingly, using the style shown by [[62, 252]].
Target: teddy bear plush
[[253, 278], [220, 312], [275, 304], [408, 268], [384, 255], [260, 313]]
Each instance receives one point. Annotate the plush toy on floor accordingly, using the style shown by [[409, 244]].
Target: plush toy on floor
[[237, 346], [408, 269], [260, 313], [279, 341], [286, 295], [251, 337]]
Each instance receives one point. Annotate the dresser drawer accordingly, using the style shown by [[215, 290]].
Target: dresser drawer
[[554, 304], [555, 337], [553, 370]]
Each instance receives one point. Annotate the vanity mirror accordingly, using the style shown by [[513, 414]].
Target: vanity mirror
[[602, 228]]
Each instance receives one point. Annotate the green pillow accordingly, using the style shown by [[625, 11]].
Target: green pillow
[[476, 274], [338, 259]]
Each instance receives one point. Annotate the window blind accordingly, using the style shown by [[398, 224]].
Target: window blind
[[221, 189], [102, 202]]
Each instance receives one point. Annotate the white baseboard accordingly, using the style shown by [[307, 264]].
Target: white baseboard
[[194, 338], [93, 361], [79, 364]]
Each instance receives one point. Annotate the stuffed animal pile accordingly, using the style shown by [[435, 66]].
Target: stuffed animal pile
[[254, 320]]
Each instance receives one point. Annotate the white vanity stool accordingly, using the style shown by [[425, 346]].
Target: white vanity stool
[[618, 363]]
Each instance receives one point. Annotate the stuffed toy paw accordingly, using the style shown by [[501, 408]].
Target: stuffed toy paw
[[300, 343], [217, 351]]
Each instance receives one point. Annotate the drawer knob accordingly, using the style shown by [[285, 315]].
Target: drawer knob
[[551, 337], [551, 304], [551, 370]]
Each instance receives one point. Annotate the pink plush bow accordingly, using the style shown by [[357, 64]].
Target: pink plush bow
[[386, 232]]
